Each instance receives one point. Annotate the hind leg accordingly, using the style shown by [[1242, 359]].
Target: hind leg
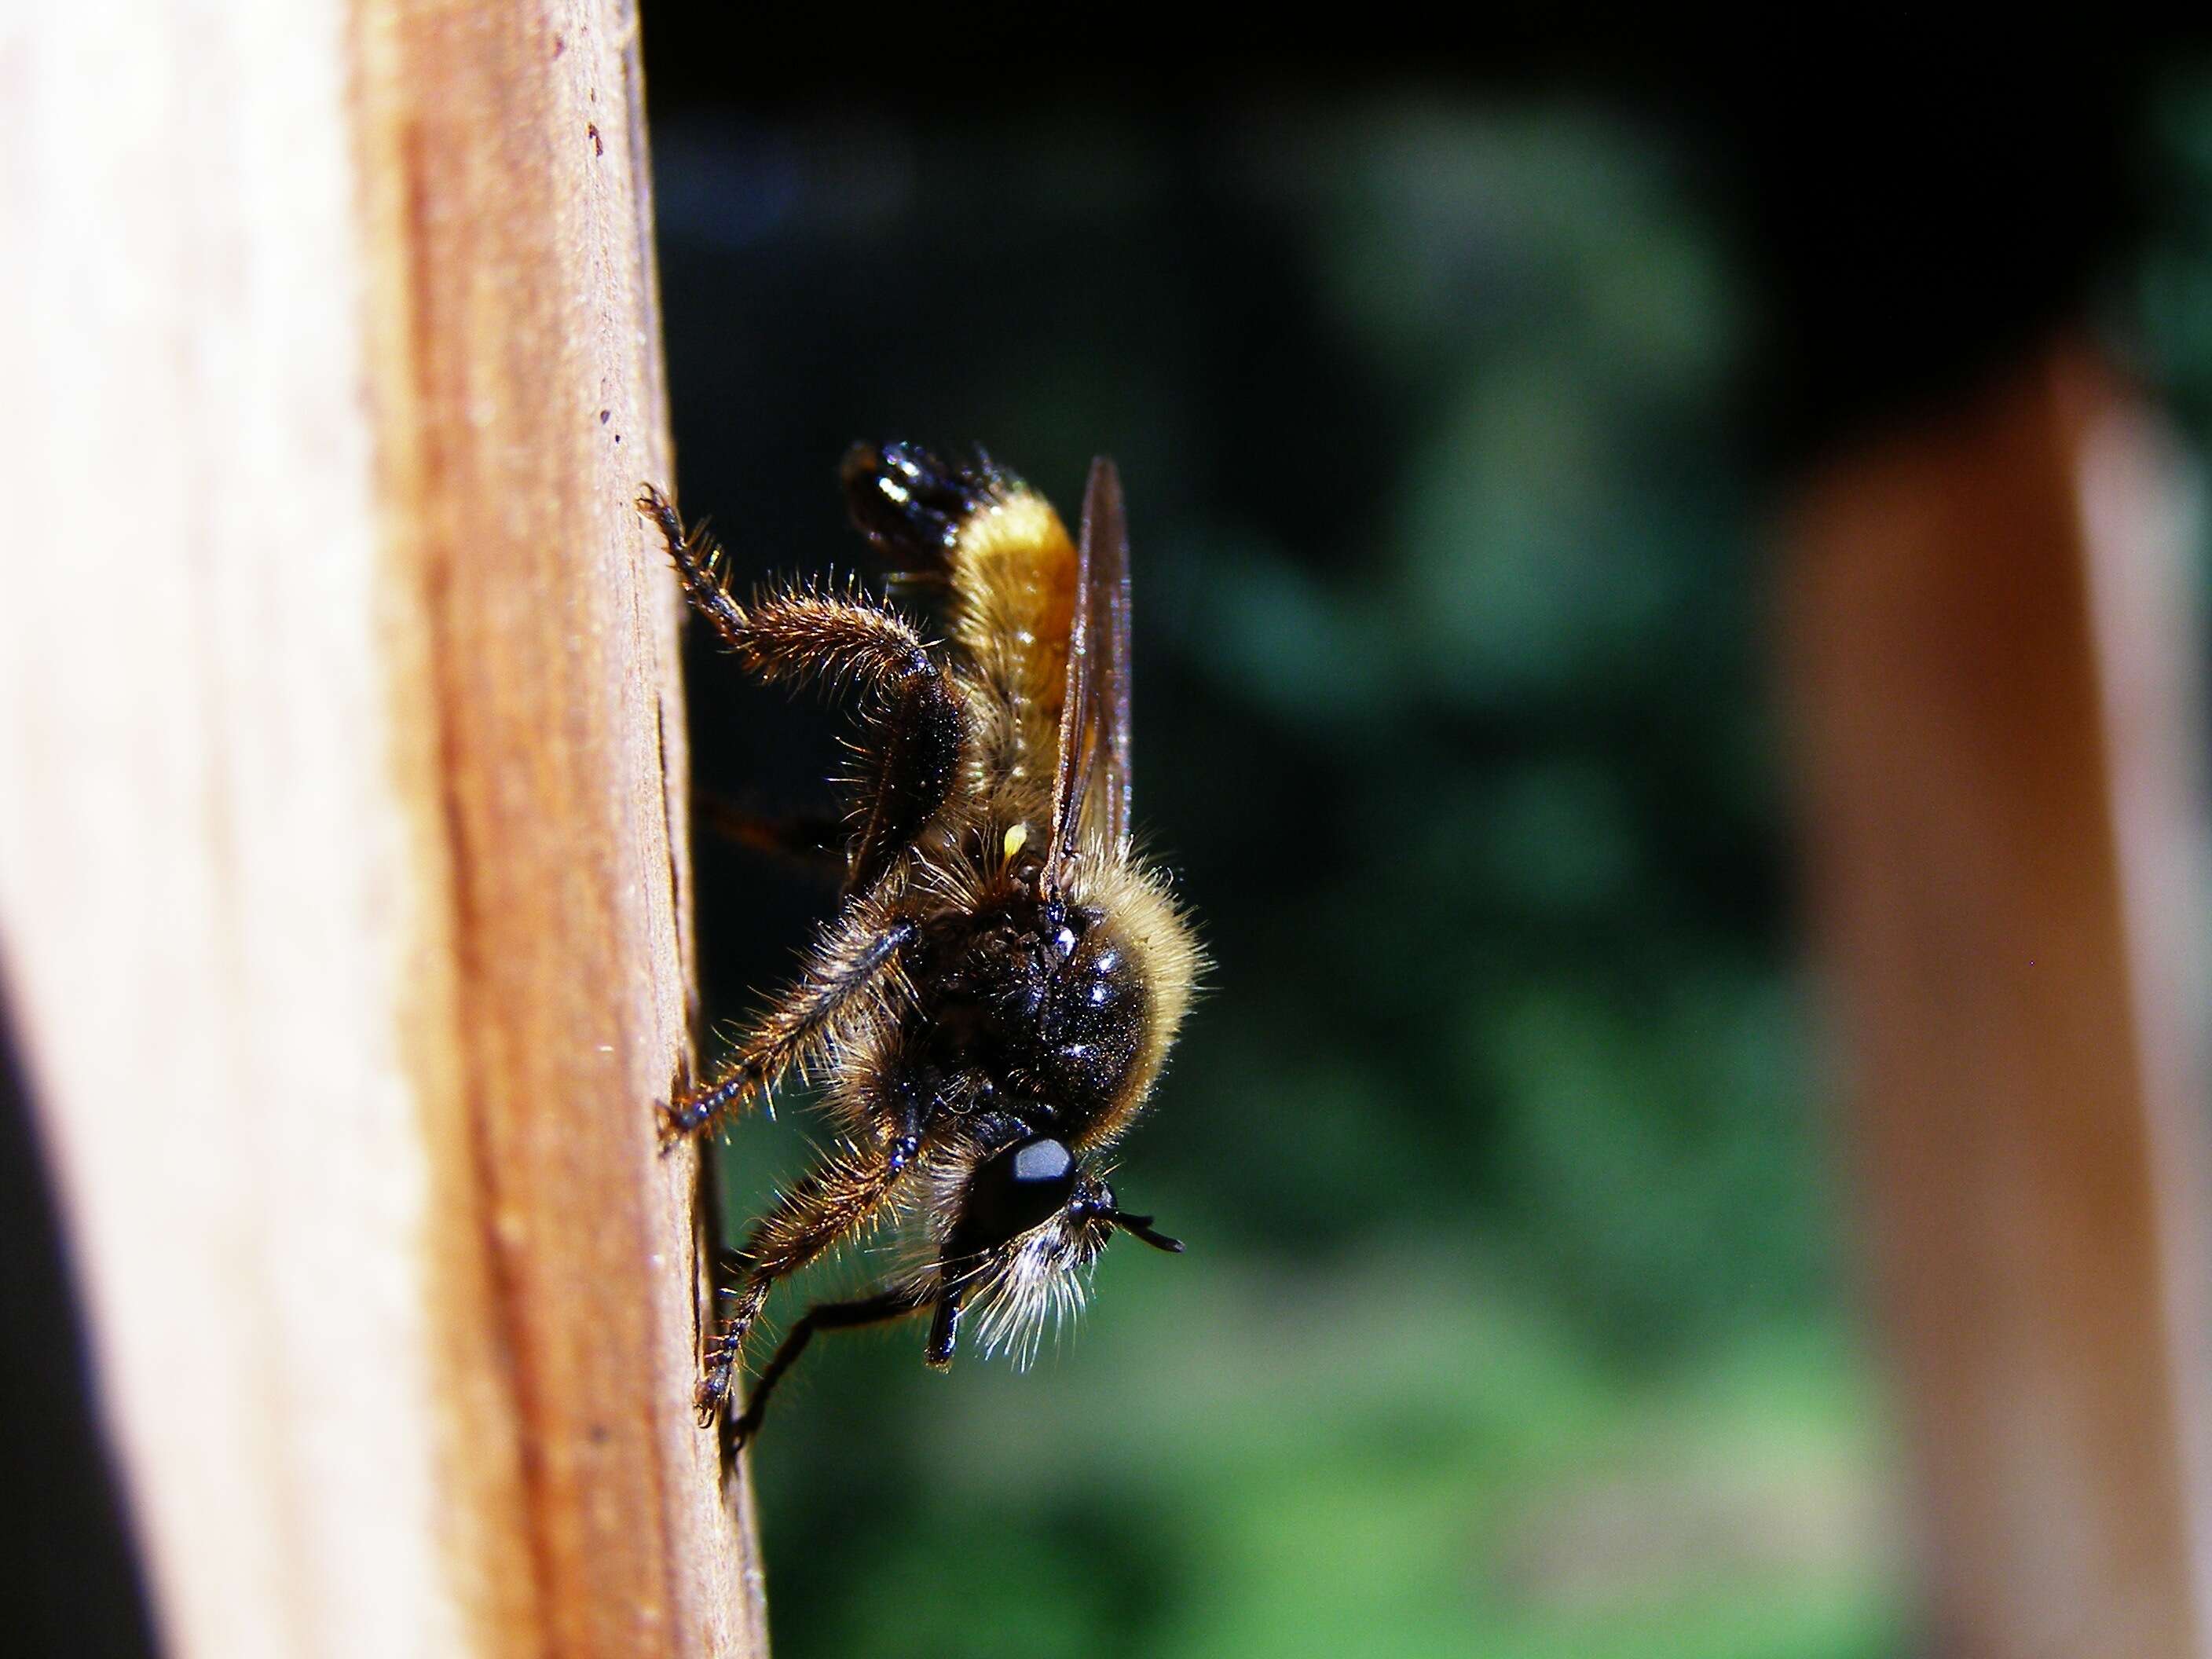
[[917, 730]]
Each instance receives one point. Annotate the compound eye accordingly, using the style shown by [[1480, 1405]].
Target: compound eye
[[1020, 1187]]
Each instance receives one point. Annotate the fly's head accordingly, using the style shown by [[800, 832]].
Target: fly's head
[[1027, 1225]]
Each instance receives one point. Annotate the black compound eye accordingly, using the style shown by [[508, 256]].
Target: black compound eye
[[1020, 1187]]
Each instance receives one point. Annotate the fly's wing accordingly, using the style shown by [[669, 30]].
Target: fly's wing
[[1093, 775], [1104, 573]]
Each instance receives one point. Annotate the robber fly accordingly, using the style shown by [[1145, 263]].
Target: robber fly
[[989, 1009]]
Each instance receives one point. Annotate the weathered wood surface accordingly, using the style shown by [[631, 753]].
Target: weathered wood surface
[[341, 855], [1992, 645]]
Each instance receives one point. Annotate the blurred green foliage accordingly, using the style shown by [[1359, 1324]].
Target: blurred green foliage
[[2158, 308], [1512, 1321]]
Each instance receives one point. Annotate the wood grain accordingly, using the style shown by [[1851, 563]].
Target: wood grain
[[1992, 648], [342, 870]]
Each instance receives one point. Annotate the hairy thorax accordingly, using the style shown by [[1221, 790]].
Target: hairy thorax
[[1031, 1008]]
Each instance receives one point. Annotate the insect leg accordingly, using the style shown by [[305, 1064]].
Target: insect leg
[[802, 633], [701, 565], [857, 957], [798, 633], [815, 840], [915, 728], [835, 1199], [895, 1302], [918, 736]]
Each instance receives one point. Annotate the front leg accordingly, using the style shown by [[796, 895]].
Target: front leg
[[895, 1302]]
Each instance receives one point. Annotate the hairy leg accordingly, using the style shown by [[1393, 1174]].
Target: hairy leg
[[701, 565], [855, 962], [809, 633], [836, 1199], [894, 1302]]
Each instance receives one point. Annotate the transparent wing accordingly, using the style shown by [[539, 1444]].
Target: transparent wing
[[1093, 773]]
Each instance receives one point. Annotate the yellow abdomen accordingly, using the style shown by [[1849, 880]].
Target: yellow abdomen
[[1013, 584]]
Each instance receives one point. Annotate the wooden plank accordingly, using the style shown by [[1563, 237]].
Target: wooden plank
[[1992, 646], [341, 758]]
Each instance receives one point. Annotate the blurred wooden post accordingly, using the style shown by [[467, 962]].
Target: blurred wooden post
[[341, 848], [1990, 633]]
